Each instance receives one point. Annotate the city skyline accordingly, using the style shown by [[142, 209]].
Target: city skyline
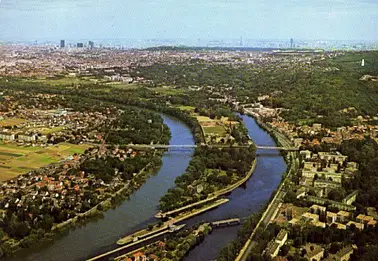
[[52, 19]]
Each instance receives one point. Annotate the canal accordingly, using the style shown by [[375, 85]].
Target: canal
[[244, 200], [136, 213]]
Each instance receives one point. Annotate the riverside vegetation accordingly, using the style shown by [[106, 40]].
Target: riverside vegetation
[[64, 193], [134, 125]]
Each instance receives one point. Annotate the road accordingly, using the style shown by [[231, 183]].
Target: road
[[269, 213], [263, 223]]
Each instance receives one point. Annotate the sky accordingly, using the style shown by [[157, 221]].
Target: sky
[[194, 19]]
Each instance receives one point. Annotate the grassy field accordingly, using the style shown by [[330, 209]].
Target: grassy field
[[124, 86], [223, 120], [204, 119], [11, 122], [64, 81], [217, 130], [167, 90], [187, 108], [46, 131], [215, 126], [70, 81], [16, 160]]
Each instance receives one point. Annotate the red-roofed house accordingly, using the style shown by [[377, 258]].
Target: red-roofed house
[[140, 256]]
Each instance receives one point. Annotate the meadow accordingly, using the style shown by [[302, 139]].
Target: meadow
[[11, 122], [218, 127], [16, 160]]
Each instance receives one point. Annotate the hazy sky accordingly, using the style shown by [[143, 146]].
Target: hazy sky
[[205, 19]]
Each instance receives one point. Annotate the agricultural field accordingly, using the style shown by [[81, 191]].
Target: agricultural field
[[11, 122], [16, 160]]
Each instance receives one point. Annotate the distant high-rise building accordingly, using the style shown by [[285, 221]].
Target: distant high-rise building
[[291, 43], [62, 43], [91, 44], [79, 45]]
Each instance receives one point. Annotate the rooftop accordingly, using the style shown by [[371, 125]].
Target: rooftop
[[281, 235]]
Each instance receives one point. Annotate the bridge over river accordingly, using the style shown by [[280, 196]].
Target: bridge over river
[[164, 146]]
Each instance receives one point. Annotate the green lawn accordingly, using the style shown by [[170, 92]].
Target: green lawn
[[167, 90], [217, 130], [186, 108], [124, 86], [46, 131], [65, 81]]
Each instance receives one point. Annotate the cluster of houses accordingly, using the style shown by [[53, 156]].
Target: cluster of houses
[[310, 136], [21, 60], [321, 173], [42, 126], [61, 187], [119, 78], [310, 251], [321, 217]]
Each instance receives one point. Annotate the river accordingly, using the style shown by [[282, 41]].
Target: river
[[132, 215], [100, 235]]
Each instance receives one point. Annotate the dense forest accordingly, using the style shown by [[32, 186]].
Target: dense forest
[[365, 152], [139, 127], [320, 90]]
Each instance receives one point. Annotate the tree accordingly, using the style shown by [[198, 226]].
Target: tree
[[284, 250], [370, 253]]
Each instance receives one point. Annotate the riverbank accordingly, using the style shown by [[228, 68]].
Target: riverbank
[[99, 236], [176, 247], [129, 241], [247, 199], [104, 229], [83, 218], [271, 209], [156, 229], [111, 201], [211, 197]]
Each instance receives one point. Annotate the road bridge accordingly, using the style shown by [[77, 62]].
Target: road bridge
[[277, 148], [183, 146]]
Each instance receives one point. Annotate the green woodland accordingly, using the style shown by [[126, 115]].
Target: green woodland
[[317, 92], [211, 169]]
